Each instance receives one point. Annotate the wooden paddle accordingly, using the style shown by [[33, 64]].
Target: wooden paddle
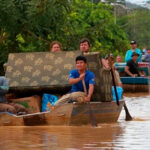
[[92, 118], [128, 116]]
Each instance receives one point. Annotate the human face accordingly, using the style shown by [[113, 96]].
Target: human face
[[135, 57], [133, 46], [84, 47], [80, 65], [148, 51], [55, 48], [118, 59]]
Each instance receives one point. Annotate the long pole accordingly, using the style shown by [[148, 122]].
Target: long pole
[[116, 94], [92, 118], [128, 116]]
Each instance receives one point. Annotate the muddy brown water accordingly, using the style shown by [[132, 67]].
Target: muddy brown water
[[132, 135]]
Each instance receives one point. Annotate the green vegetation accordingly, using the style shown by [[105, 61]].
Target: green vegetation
[[138, 27], [96, 22], [30, 25]]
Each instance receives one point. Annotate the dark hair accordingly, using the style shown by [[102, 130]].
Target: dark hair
[[85, 40], [55, 42], [81, 58], [109, 55], [135, 54]]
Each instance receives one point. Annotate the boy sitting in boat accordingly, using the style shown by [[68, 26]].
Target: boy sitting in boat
[[76, 76], [131, 68], [133, 49]]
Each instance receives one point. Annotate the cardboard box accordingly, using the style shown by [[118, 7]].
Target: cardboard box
[[33, 103]]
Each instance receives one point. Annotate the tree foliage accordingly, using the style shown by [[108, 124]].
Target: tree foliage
[[137, 25], [30, 25], [97, 23]]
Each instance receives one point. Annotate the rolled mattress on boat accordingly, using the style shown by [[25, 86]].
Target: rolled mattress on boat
[[37, 70]]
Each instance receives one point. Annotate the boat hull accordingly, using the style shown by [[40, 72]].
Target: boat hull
[[68, 115], [136, 84]]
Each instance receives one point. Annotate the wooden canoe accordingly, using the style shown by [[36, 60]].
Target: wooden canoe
[[136, 84], [71, 114]]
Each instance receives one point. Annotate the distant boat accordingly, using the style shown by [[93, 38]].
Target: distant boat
[[134, 84]]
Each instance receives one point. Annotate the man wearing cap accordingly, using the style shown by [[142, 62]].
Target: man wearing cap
[[134, 48], [85, 45], [131, 68]]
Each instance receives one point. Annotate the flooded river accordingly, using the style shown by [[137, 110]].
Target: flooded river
[[123, 135]]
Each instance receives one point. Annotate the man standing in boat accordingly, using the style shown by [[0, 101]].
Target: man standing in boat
[[133, 49], [78, 77], [131, 68]]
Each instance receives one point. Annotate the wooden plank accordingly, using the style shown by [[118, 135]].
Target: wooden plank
[[7, 119]]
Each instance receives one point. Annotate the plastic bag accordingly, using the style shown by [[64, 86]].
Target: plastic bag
[[48, 100], [119, 92]]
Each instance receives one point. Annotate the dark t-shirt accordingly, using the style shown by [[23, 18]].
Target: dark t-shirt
[[133, 67]]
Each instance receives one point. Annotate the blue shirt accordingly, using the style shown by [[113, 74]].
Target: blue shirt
[[78, 87], [3, 88], [147, 57], [129, 55]]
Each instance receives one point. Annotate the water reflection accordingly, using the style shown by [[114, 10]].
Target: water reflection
[[121, 135], [58, 137]]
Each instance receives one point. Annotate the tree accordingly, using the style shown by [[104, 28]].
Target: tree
[[30, 25], [136, 25], [96, 22]]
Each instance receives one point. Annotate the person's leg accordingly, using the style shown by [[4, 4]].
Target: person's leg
[[64, 99], [78, 96], [7, 108], [75, 96]]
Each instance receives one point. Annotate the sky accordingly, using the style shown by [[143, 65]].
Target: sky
[[137, 1]]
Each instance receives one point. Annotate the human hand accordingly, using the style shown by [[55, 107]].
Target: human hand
[[82, 76], [87, 99], [142, 75], [134, 75]]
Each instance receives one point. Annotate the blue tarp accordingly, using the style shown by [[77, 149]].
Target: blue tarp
[[135, 80], [119, 92], [46, 99]]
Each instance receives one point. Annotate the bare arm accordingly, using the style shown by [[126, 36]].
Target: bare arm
[[129, 73], [76, 80], [90, 92]]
